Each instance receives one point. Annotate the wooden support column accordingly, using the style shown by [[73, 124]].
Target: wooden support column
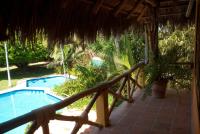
[[102, 109], [196, 75], [153, 31], [146, 49]]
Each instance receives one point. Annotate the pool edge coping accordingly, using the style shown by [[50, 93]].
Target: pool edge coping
[[23, 83], [46, 91]]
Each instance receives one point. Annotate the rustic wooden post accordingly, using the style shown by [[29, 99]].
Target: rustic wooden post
[[129, 89], [153, 31], [196, 75], [141, 78], [146, 49], [45, 128], [102, 109]]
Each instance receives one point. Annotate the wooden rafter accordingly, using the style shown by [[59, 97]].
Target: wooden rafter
[[97, 6], [119, 7], [189, 9], [142, 14], [171, 2], [139, 2], [151, 2], [165, 15], [172, 14], [106, 7], [170, 7]]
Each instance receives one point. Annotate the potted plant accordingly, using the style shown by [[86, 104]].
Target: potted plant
[[156, 79], [162, 69]]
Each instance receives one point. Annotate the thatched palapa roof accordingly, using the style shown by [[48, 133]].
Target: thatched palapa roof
[[60, 18]]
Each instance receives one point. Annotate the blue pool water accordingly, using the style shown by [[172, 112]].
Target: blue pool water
[[49, 82], [19, 102]]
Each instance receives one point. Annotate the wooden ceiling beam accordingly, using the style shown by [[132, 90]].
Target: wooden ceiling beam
[[120, 7], [171, 2], [97, 6], [189, 9], [151, 2], [172, 14], [133, 13], [165, 15], [142, 14], [107, 7], [139, 2], [171, 7]]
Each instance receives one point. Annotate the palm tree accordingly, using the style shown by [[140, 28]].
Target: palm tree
[[68, 54], [105, 49]]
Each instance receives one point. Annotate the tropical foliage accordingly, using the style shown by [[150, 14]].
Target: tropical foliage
[[120, 52], [175, 46], [117, 54], [68, 55], [21, 53], [105, 49], [132, 47], [87, 77], [183, 40]]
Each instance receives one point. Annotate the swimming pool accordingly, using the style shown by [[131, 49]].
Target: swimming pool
[[49, 82], [19, 102]]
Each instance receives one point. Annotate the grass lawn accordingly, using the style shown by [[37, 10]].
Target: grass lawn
[[34, 70]]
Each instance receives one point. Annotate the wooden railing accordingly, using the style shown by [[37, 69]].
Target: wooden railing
[[42, 116]]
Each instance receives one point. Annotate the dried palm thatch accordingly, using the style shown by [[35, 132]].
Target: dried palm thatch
[[59, 19]]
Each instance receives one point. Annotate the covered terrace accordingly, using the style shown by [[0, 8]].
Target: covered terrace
[[59, 19]]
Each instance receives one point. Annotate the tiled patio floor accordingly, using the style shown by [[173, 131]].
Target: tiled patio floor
[[151, 116]]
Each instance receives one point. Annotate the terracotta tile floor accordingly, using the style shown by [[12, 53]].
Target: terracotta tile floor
[[151, 116]]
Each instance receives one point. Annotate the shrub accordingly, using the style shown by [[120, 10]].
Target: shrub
[[90, 75], [70, 88], [87, 78], [21, 53]]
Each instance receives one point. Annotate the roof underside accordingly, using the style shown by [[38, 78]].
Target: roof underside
[[59, 19]]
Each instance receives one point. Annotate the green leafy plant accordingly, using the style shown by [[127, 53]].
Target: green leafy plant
[[70, 87], [175, 47], [91, 76], [21, 53], [165, 67], [87, 77]]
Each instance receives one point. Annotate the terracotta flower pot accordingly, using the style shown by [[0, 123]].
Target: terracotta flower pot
[[159, 88]]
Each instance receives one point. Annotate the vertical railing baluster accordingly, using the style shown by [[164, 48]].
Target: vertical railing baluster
[[118, 92], [129, 88], [140, 78], [45, 128], [133, 87]]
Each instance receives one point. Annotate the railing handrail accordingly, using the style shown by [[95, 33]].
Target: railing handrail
[[31, 116], [89, 91]]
